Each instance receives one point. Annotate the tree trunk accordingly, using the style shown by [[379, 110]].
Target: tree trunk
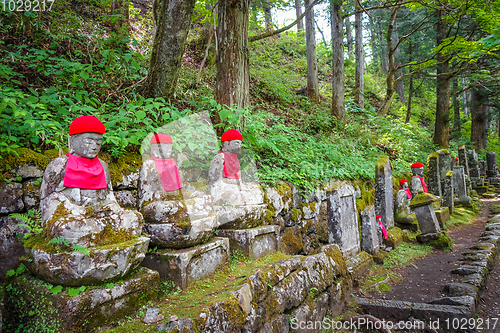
[[456, 110], [465, 98], [267, 16], [168, 48], [389, 94], [410, 93], [348, 34], [232, 58], [478, 119], [373, 43], [338, 90], [442, 124], [383, 54], [312, 63], [359, 88], [120, 8], [298, 12], [400, 85], [487, 125]]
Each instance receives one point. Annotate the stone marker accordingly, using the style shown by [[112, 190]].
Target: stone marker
[[473, 164], [445, 164], [384, 198], [422, 205], [462, 158], [371, 233], [482, 167], [402, 212], [343, 219], [434, 175], [491, 159], [449, 192], [460, 186], [255, 242]]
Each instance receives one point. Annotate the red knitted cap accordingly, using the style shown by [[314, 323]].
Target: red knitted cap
[[417, 165], [231, 134], [86, 124], [378, 217], [402, 181], [456, 158], [161, 138]]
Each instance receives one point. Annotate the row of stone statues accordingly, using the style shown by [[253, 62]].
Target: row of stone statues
[[78, 204]]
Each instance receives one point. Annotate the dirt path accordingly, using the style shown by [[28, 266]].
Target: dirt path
[[427, 279]]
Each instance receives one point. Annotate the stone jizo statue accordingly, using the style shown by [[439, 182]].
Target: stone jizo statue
[[402, 212], [417, 180], [77, 200], [226, 165]]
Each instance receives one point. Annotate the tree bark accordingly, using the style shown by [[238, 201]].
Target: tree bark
[[465, 98], [373, 43], [168, 48], [487, 125], [338, 90], [232, 58], [442, 123], [298, 13], [267, 16], [389, 94], [312, 63], [359, 88], [478, 119], [400, 85], [410, 93], [120, 8], [456, 111], [383, 54], [348, 34]]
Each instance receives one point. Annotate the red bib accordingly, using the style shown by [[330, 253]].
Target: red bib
[[231, 166], [86, 173], [169, 174], [423, 183], [408, 193], [383, 229]]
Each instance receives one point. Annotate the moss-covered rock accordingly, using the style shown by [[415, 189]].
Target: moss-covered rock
[[443, 242], [395, 237], [422, 199], [291, 241]]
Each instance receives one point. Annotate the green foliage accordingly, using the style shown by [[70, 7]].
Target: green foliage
[[63, 242], [72, 292], [33, 221]]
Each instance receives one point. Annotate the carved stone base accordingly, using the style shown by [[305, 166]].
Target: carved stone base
[[254, 243], [31, 303], [240, 217], [188, 265]]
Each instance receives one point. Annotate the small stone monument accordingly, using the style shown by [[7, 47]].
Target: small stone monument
[[492, 171], [384, 198], [445, 164], [449, 192], [434, 175], [482, 167], [429, 225], [460, 186], [462, 158], [473, 164], [371, 232], [417, 180], [402, 212]]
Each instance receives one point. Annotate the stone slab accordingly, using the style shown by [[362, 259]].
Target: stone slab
[[255, 242], [384, 197], [427, 312], [467, 301], [385, 309], [359, 264], [94, 307], [191, 264], [443, 216], [239, 217], [371, 232]]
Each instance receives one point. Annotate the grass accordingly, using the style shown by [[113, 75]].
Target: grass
[[190, 302]]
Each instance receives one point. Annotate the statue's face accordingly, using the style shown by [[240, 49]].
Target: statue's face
[[418, 172], [85, 145], [404, 185], [233, 146], [161, 150]]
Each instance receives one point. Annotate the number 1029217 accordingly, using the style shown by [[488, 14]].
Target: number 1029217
[[26, 5]]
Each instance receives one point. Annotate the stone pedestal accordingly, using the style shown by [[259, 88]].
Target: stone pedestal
[[482, 167], [443, 216], [402, 212], [371, 231], [188, 265], [462, 159], [343, 219], [491, 172], [422, 205], [255, 242], [384, 198], [445, 164], [460, 186], [449, 192], [32, 304], [240, 217], [434, 179]]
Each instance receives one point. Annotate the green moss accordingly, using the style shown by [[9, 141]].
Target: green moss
[[306, 226], [200, 186], [422, 199], [444, 151], [292, 241], [394, 237], [25, 156], [449, 174], [381, 163], [444, 242], [128, 163], [295, 213], [184, 223]]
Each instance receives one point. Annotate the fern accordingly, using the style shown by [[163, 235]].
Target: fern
[[80, 248], [61, 241], [32, 219]]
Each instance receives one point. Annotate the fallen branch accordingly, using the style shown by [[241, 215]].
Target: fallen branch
[[376, 285]]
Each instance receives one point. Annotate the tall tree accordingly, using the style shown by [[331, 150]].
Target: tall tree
[[174, 17], [477, 99], [360, 57], [312, 63], [410, 93], [348, 34], [267, 15], [298, 13], [456, 109], [233, 75], [337, 32], [120, 10], [400, 86], [442, 123]]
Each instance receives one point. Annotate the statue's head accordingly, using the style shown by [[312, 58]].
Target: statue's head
[[417, 169], [161, 146], [231, 141], [404, 183], [456, 161], [85, 138]]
